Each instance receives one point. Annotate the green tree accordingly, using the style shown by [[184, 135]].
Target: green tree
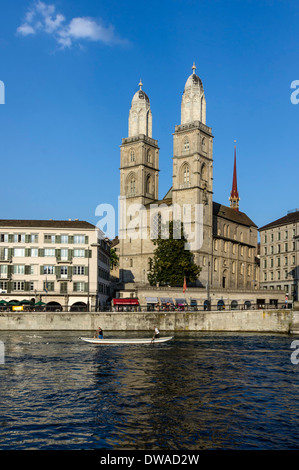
[[114, 259], [171, 262]]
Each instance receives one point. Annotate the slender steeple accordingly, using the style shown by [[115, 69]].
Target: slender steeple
[[234, 195]]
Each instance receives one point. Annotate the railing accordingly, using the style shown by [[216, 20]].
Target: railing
[[82, 307]]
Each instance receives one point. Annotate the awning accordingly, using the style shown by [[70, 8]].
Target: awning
[[166, 300], [193, 302], [180, 301], [125, 302], [151, 300]]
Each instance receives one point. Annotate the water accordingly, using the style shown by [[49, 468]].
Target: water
[[200, 391]]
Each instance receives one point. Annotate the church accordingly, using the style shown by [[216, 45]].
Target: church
[[227, 253]]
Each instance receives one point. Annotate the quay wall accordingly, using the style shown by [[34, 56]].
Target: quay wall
[[275, 321]]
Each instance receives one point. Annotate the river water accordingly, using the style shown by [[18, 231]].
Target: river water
[[199, 391]]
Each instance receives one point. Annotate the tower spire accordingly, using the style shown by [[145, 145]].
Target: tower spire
[[234, 195]]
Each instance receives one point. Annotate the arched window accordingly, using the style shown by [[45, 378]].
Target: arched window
[[148, 184], [149, 156], [186, 174]]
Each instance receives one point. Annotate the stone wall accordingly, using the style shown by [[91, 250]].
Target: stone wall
[[274, 321]]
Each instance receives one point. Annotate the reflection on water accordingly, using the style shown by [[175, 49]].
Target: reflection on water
[[200, 391]]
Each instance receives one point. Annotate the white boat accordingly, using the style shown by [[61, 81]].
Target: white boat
[[127, 340]]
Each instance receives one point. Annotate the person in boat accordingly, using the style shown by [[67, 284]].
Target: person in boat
[[100, 333], [156, 333]]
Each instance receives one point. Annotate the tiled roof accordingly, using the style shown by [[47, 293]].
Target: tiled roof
[[74, 224], [231, 214], [290, 218]]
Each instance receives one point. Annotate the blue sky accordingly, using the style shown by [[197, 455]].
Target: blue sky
[[71, 68]]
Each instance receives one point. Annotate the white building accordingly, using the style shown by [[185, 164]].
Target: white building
[[279, 255], [61, 264]]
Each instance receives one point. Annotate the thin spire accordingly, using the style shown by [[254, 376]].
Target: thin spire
[[140, 84], [234, 195], [193, 67]]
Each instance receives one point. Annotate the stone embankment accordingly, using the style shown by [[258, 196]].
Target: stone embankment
[[259, 321]]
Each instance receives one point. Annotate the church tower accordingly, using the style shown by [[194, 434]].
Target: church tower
[[193, 164], [234, 195], [139, 183], [139, 154]]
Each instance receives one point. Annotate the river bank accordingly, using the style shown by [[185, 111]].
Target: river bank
[[274, 321]]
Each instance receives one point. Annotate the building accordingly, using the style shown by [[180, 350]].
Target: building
[[62, 264], [279, 255], [228, 250]]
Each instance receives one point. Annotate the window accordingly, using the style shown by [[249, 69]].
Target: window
[[4, 237], [79, 286], [19, 252], [132, 186], [34, 238], [19, 238], [18, 285], [3, 285], [49, 238], [63, 287], [149, 157], [186, 175], [19, 269], [48, 285], [131, 262], [186, 145], [3, 270], [64, 239], [49, 269], [79, 239], [34, 252], [79, 270], [132, 156], [49, 252], [64, 253], [63, 271], [79, 253]]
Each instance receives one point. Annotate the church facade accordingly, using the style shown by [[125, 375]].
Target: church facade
[[227, 252]]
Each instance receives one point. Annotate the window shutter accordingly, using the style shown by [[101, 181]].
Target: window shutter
[[27, 269], [27, 286], [86, 270], [70, 254], [41, 252], [87, 253], [27, 238], [86, 239], [71, 238], [58, 239], [58, 254], [41, 270], [10, 253], [10, 238], [27, 251], [86, 287]]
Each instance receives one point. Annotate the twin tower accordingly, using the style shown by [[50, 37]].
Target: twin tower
[[192, 180]]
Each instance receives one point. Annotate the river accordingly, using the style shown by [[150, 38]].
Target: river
[[200, 391]]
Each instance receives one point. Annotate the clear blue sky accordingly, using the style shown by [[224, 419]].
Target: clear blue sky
[[71, 68]]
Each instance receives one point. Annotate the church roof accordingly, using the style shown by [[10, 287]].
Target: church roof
[[230, 214], [220, 210]]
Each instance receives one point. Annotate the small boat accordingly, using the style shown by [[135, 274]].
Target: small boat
[[127, 340]]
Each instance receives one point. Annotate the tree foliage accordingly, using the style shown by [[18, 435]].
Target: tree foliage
[[171, 262]]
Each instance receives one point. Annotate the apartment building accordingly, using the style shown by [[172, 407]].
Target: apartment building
[[279, 255], [55, 264]]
